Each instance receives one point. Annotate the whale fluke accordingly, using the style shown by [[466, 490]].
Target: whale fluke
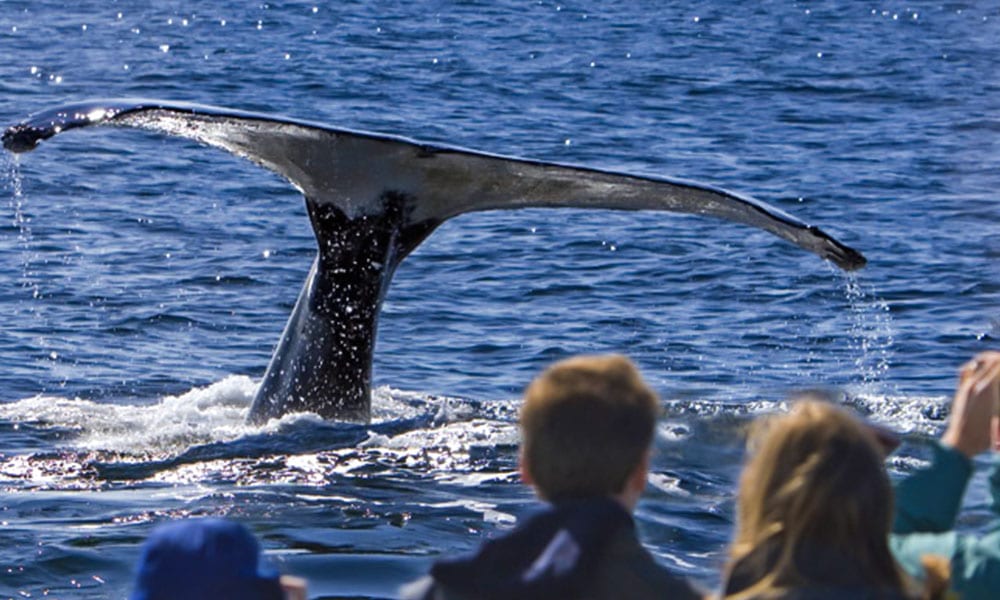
[[372, 199]]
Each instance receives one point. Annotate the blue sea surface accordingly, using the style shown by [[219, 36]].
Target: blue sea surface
[[147, 279]]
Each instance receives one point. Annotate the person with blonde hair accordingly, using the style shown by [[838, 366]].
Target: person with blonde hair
[[587, 426], [814, 511]]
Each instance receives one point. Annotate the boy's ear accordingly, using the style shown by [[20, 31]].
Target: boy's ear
[[522, 464], [641, 473]]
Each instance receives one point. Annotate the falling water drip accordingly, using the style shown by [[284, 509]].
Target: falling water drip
[[11, 180], [871, 334]]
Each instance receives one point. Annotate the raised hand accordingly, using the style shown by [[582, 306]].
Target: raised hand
[[974, 425]]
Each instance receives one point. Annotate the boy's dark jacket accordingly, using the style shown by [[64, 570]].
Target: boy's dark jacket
[[574, 550]]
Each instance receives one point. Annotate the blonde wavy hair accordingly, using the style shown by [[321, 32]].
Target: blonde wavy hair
[[815, 506]]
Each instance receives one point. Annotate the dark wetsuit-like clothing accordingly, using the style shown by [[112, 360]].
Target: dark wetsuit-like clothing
[[576, 550]]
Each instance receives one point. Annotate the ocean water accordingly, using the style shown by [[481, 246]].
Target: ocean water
[[148, 279]]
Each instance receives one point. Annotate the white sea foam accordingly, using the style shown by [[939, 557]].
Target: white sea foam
[[447, 443], [668, 484], [213, 413]]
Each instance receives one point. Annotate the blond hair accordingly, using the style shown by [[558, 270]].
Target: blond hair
[[815, 487], [586, 423]]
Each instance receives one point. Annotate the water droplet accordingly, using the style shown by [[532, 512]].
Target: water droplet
[[83, 27], [696, 19], [566, 142]]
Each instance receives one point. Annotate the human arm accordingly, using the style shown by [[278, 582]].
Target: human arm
[[929, 499]]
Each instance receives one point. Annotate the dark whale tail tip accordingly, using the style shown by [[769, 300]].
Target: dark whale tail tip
[[843, 256], [855, 260], [847, 258], [22, 138]]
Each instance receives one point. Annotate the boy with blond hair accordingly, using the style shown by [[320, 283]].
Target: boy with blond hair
[[587, 426]]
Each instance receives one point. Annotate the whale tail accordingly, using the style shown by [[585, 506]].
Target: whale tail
[[372, 200]]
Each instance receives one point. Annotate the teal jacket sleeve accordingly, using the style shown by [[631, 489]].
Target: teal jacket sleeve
[[928, 500], [974, 557]]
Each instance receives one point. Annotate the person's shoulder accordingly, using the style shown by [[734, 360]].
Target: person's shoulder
[[629, 571], [426, 588], [836, 593]]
